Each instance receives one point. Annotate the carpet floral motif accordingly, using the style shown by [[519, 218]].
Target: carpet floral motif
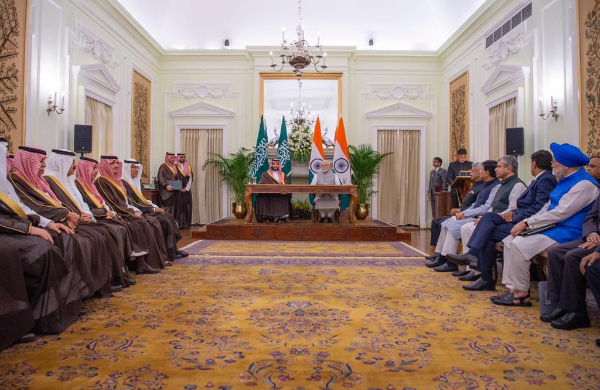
[[279, 325]]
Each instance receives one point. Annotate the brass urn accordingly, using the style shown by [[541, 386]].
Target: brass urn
[[239, 210], [362, 210]]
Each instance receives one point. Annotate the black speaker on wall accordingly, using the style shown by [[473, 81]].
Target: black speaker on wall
[[515, 141], [83, 139]]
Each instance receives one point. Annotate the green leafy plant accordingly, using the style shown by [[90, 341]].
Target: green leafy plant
[[234, 170], [364, 162], [302, 209]]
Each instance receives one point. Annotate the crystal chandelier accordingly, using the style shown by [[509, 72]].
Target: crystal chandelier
[[299, 54], [300, 117]]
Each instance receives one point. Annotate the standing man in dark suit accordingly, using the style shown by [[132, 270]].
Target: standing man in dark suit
[[454, 169], [569, 265], [493, 227], [437, 177]]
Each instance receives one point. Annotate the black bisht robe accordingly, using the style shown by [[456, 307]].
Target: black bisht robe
[[170, 231], [35, 272], [93, 263], [272, 205], [170, 201]]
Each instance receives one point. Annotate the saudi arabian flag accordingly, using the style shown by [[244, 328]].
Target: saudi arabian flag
[[283, 151], [341, 161], [317, 155], [261, 162]]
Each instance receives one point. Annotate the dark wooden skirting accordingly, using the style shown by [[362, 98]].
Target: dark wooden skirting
[[302, 230]]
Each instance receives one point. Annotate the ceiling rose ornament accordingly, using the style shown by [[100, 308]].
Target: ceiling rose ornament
[[300, 117], [299, 54]]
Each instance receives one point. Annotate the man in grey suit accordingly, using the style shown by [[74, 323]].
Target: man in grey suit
[[437, 177]]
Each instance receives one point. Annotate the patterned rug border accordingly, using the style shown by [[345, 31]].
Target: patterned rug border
[[299, 261], [202, 244]]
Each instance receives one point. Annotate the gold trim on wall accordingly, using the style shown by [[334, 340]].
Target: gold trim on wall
[[11, 95], [306, 76]]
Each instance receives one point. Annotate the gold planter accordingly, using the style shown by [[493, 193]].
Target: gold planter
[[362, 210], [239, 210]]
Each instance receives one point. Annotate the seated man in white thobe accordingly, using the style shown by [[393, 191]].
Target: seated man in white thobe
[[564, 213], [326, 204], [450, 233]]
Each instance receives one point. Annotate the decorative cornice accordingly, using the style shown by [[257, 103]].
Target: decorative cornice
[[501, 76], [192, 111], [505, 49], [398, 110], [202, 90], [98, 74], [92, 44], [398, 91]]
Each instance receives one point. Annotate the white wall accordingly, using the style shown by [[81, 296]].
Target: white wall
[[379, 89]]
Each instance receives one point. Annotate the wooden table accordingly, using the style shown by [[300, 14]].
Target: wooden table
[[286, 189]]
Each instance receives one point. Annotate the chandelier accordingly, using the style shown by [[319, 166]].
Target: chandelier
[[299, 54], [300, 117]]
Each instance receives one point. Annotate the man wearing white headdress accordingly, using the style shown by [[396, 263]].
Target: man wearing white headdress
[[132, 172], [60, 175]]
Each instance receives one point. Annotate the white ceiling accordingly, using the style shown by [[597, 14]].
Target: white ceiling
[[422, 25]]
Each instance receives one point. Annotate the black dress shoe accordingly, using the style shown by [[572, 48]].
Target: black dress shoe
[[554, 315], [116, 288], [322, 220], [470, 277], [432, 257], [132, 281], [572, 321], [510, 299], [182, 253], [148, 270], [480, 285], [329, 220], [27, 338], [436, 263], [460, 272], [464, 259], [448, 267]]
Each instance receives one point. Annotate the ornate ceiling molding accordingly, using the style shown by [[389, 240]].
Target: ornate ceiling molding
[[202, 90], [398, 91], [505, 49], [92, 44]]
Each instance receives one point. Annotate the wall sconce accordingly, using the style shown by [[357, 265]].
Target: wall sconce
[[553, 111], [52, 105]]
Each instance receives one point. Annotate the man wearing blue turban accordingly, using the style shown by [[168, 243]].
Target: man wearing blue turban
[[563, 214]]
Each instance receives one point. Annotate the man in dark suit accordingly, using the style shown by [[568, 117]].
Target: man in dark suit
[[454, 170], [569, 265], [493, 227], [437, 177]]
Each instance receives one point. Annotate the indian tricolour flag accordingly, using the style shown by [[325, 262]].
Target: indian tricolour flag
[[317, 155], [341, 161]]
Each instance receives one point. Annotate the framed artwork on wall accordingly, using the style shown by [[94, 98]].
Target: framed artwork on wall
[[459, 113], [588, 22], [141, 122], [14, 20]]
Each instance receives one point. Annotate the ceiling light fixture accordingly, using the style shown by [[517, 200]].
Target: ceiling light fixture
[[300, 117], [299, 54]]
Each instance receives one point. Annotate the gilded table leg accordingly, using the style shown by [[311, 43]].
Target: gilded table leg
[[248, 200]]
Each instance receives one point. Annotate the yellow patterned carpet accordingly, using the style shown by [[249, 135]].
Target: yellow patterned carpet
[[274, 315]]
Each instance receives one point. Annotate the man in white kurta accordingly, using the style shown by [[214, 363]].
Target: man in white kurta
[[326, 204], [450, 233], [569, 202]]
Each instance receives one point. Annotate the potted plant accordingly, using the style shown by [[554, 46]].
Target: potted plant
[[364, 162], [234, 170]]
